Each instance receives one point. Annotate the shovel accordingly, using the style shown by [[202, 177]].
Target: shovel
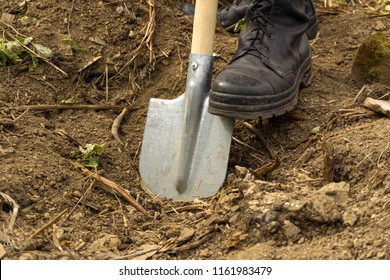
[[185, 149]]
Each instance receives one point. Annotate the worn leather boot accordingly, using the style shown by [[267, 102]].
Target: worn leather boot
[[230, 15], [272, 62]]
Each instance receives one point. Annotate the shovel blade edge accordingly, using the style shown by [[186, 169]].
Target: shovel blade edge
[[160, 152]]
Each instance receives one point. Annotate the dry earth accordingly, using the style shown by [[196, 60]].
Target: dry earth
[[288, 212]]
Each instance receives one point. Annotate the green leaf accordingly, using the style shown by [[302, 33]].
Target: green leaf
[[33, 64], [241, 25], [26, 41], [43, 51], [88, 155], [72, 43], [70, 100], [3, 59]]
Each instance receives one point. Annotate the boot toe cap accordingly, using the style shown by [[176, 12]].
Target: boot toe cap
[[238, 82]]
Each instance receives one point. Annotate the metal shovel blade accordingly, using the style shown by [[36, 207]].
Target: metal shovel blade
[[185, 149]]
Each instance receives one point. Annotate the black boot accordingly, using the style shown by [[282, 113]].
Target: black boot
[[227, 16], [272, 61], [230, 15]]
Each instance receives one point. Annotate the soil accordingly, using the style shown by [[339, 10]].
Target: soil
[[325, 195]]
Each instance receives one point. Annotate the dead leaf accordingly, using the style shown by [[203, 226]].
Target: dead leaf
[[89, 63]]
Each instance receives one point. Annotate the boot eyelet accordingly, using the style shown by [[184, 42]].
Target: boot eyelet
[[277, 9], [269, 37]]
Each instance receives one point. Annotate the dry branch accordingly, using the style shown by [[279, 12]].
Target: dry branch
[[38, 231], [328, 152], [117, 189], [70, 106], [262, 139], [117, 123]]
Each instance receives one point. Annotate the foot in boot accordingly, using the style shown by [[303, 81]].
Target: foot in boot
[[230, 15], [272, 62]]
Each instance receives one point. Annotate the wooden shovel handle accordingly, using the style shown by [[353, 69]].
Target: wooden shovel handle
[[204, 27]]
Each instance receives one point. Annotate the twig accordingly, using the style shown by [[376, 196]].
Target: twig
[[69, 18], [106, 76], [21, 115], [62, 132], [116, 124], [79, 201], [139, 253], [118, 189], [262, 139], [194, 207], [13, 29], [328, 153], [70, 106], [195, 244], [358, 94], [244, 144], [55, 219]]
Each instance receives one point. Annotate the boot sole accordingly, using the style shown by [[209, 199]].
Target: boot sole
[[230, 109]]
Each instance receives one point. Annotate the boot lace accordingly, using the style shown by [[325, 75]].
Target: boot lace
[[256, 35]]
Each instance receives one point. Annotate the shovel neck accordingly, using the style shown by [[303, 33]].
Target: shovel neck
[[199, 75]]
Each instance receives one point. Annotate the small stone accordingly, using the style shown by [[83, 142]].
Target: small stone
[[301, 240], [113, 241], [77, 194], [379, 26], [338, 191], [381, 255], [371, 64], [119, 10], [78, 216], [370, 254], [241, 171], [204, 253], [7, 18], [290, 230], [185, 235], [349, 217], [295, 206], [379, 106], [268, 217]]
